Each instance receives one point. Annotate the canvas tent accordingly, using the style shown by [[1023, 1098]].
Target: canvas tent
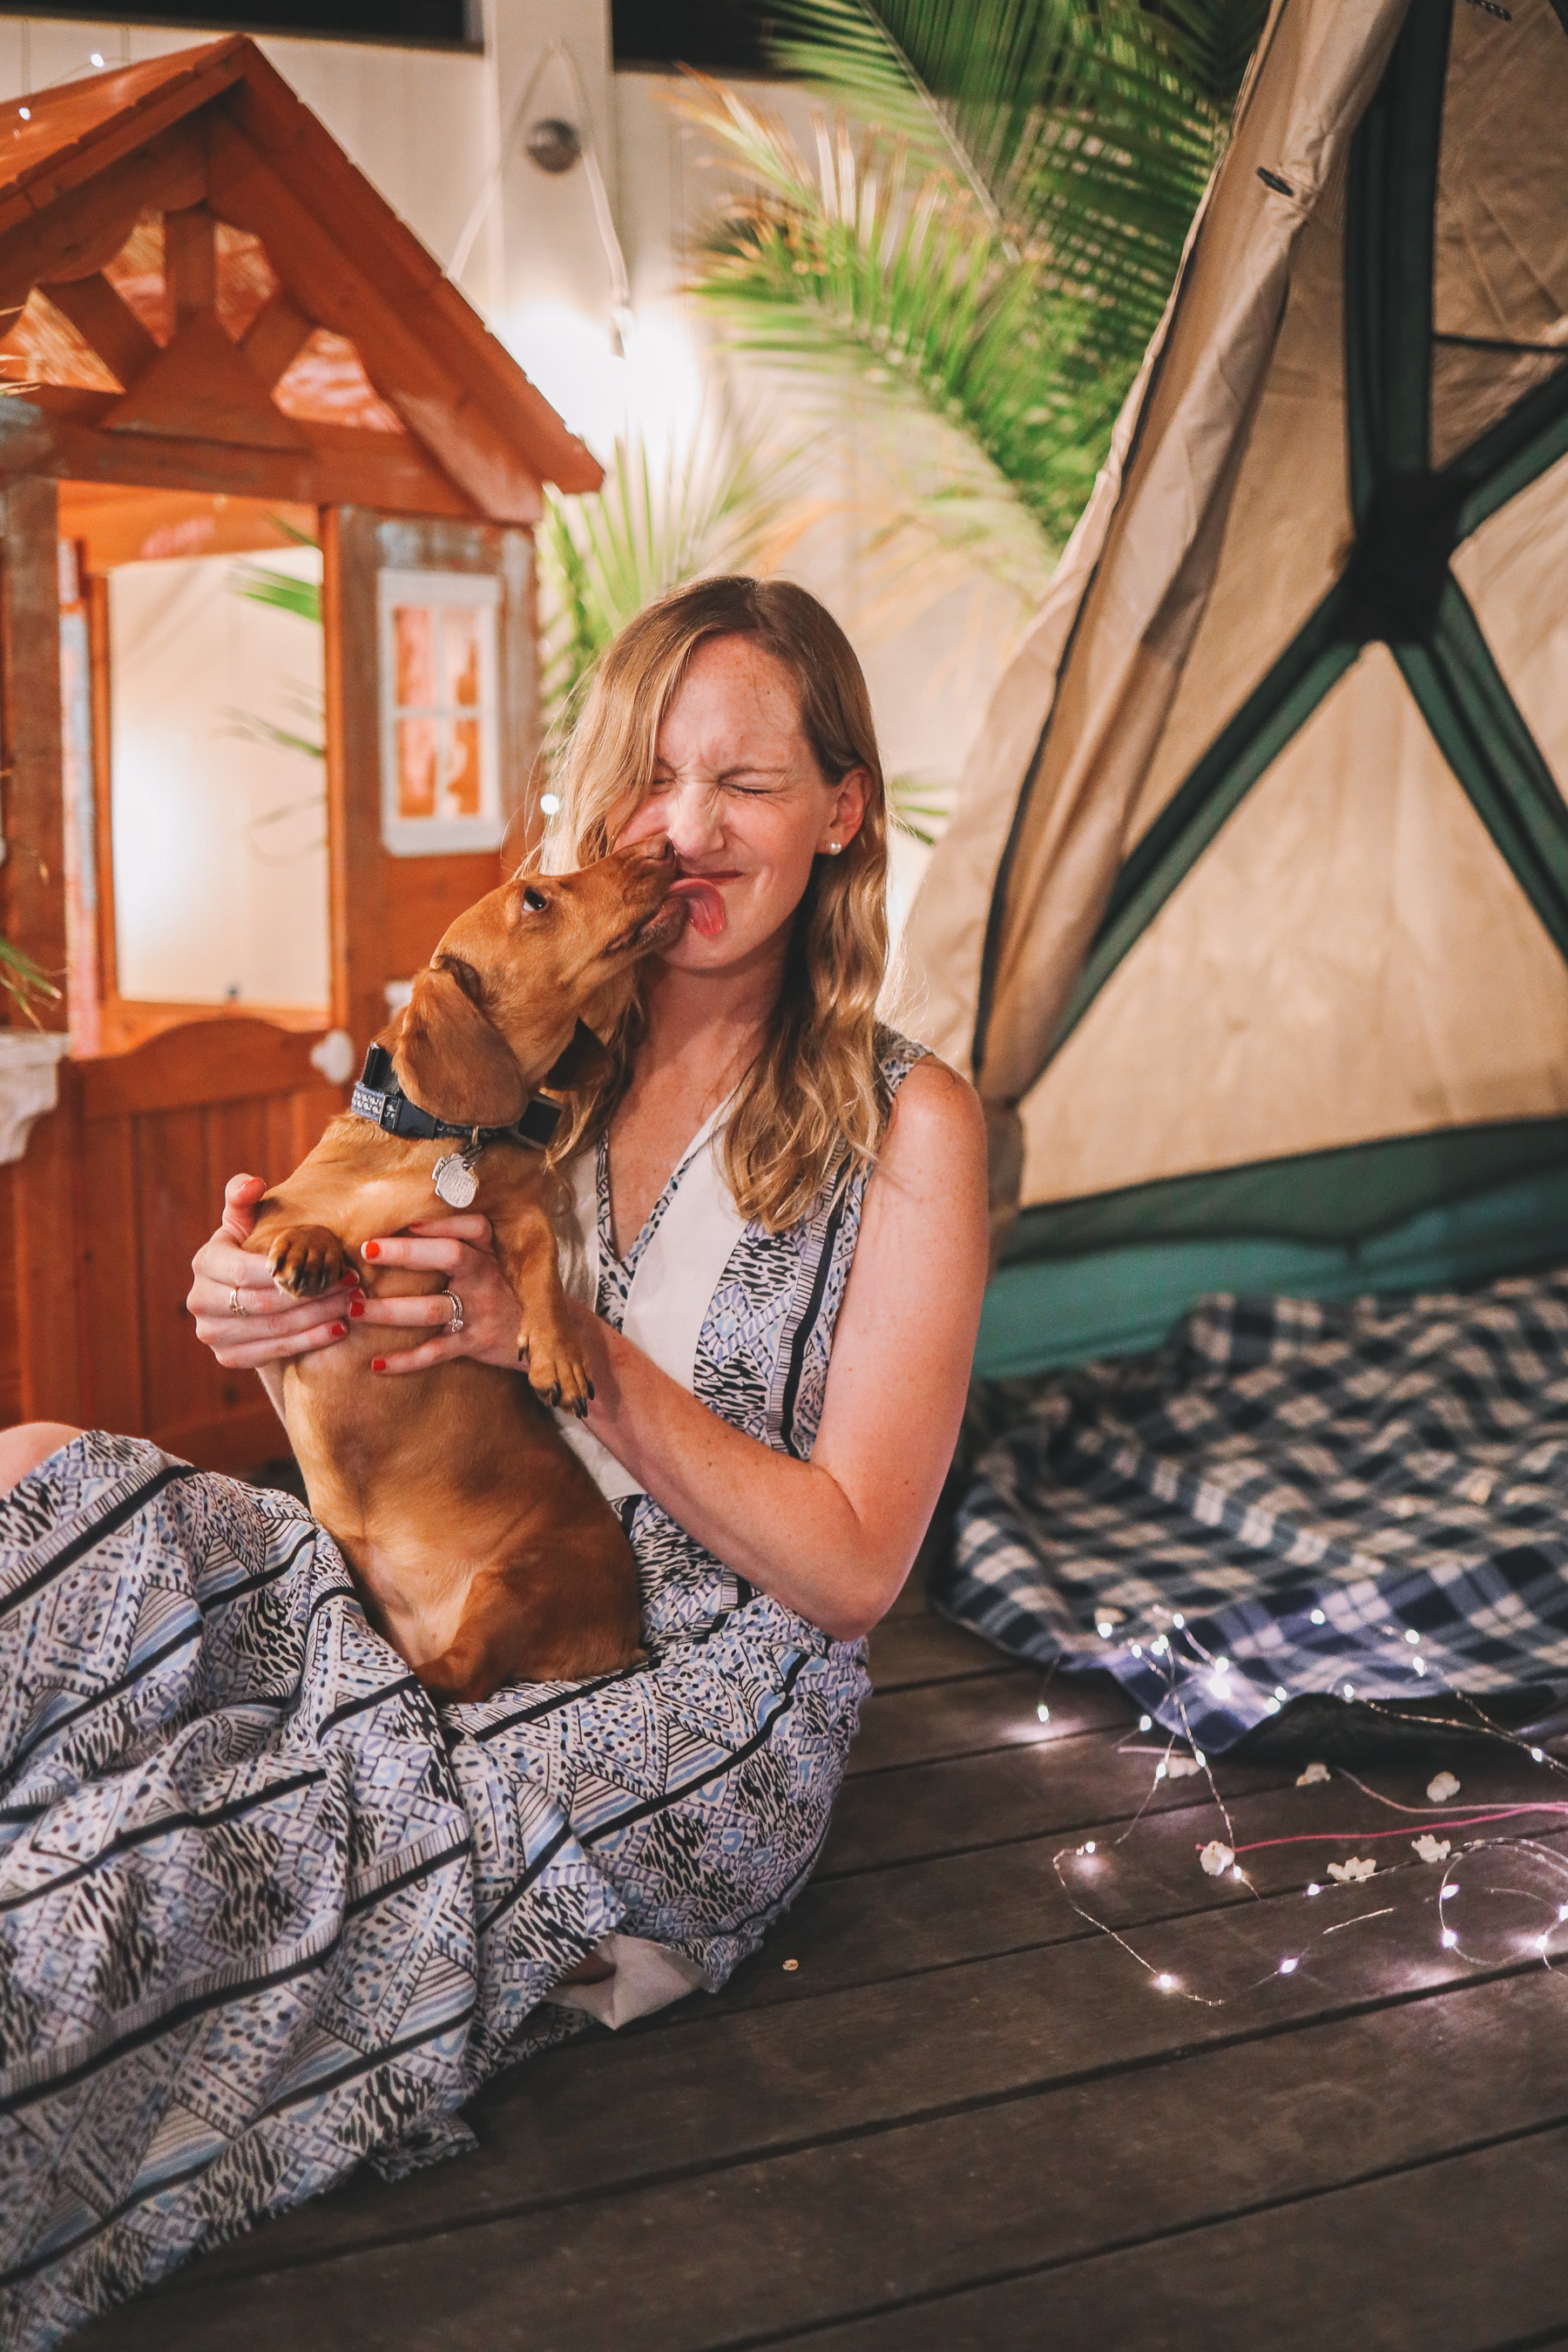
[[1253, 923]]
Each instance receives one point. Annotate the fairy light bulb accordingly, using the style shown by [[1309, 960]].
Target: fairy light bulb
[[1165, 1983], [1319, 1618], [1450, 1940], [1287, 1966], [25, 112], [98, 61], [1538, 1755], [1178, 1621], [1044, 1712], [1411, 1635], [1088, 1845], [1314, 1888], [1146, 1723]]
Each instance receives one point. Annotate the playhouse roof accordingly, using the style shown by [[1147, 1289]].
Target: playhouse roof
[[204, 292]]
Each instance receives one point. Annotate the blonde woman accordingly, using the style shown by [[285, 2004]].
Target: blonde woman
[[783, 1211]]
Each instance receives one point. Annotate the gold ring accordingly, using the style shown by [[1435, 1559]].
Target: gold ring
[[237, 1305]]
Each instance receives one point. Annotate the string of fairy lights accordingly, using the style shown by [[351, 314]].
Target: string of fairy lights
[[1433, 1832]]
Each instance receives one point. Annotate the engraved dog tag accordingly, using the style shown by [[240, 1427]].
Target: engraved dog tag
[[456, 1180]]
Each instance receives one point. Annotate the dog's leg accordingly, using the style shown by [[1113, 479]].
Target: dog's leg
[[546, 1342], [306, 1260]]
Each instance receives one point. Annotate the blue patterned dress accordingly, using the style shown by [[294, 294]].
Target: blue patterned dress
[[266, 1911]]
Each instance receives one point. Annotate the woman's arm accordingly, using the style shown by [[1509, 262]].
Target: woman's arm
[[834, 1539]]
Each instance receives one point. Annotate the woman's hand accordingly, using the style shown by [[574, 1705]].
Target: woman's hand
[[462, 1249], [240, 1313]]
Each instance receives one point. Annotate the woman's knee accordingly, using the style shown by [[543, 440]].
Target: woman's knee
[[31, 1442]]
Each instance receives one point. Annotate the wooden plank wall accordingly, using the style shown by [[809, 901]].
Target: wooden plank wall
[[37, 1294], [388, 912], [121, 1185], [160, 1130]]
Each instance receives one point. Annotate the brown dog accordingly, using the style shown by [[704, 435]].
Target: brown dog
[[483, 1549]]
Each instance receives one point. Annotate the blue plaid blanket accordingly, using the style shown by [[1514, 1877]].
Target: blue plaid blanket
[[1368, 1500]]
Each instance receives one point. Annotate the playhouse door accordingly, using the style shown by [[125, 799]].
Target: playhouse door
[[432, 730]]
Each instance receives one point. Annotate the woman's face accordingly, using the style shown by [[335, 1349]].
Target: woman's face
[[737, 790]]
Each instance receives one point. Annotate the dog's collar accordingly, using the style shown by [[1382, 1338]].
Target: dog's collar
[[380, 1098]]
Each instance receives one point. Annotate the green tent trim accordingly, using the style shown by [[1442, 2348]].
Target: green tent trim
[[1111, 1274]]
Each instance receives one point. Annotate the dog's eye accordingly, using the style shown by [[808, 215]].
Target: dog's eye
[[534, 900]]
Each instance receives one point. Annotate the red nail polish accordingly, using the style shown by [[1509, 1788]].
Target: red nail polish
[[373, 1249], [357, 1309], [340, 1330], [378, 1363], [351, 1279]]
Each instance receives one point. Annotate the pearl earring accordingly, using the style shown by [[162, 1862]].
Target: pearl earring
[[834, 847]]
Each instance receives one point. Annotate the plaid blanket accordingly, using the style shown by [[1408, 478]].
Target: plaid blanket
[[1368, 1500]]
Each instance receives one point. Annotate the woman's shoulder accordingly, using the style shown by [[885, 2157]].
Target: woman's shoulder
[[932, 1107]]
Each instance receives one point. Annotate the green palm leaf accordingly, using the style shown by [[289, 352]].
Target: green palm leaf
[[847, 269], [1090, 127], [987, 268], [25, 982], [260, 585]]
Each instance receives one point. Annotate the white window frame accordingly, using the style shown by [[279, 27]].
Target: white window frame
[[438, 836]]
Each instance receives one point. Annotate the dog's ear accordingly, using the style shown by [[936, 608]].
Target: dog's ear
[[583, 1062], [450, 1058]]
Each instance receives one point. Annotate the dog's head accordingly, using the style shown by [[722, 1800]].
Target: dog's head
[[496, 1015]]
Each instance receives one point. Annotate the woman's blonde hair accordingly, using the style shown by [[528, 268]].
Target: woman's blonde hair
[[812, 1096]]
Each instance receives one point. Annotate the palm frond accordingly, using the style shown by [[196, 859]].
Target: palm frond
[[920, 806], [25, 982], [1091, 126], [252, 729], [259, 584], [846, 270]]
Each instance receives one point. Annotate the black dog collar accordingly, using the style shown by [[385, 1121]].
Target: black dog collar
[[380, 1098]]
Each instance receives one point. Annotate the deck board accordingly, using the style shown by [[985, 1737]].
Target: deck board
[[966, 2116]]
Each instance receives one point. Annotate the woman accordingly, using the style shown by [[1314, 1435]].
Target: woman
[[329, 1912]]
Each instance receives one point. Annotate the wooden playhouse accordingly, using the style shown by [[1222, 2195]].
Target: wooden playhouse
[[222, 340]]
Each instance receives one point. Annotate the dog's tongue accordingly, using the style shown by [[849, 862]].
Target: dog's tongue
[[706, 906]]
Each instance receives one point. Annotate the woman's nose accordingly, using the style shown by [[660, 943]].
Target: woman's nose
[[691, 815]]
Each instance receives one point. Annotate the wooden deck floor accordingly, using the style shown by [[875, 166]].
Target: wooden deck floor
[[965, 2119]]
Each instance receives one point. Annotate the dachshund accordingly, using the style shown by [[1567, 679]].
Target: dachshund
[[479, 1542]]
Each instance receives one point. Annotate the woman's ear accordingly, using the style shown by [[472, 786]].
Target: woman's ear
[[850, 795], [452, 1061]]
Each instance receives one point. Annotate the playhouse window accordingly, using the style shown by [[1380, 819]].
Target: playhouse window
[[440, 750]]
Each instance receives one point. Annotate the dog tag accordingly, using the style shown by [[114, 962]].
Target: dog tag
[[456, 1180]]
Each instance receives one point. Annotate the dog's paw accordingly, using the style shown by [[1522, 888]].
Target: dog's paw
[[306, 1260], [556, 1371]]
